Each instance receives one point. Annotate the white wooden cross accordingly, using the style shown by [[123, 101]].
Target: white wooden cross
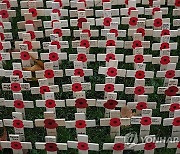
[[145, 121], [57, 29], [6, 13], [49, 73], [17, 71], [86, 29], [139, 72], [81, 6], [27, 4], [173, 3], [50, 123], [44, 86], [150, 145], [112, 70], [174, 144], [115, 122], [164, 59], [87, 3], [119, 145], [15, 86], [10, 3], [50, 103], [79, 71], [76, 85], [18, 124], [80, 123], [82, 144], [81, 18], [150, 2], [18, 103], [110, 103], [138, 57], [55, 18], [142, 103], [80, 102], [50, 145], [172, 89], [15, 144], [131, 6], [174, 122], [164, 44], [62, 3], [3, 57], [139, 89], [54, 56], [110, 55], [24, 55], [172, 107], [107, 6]]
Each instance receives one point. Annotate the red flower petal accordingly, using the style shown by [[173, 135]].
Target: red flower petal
[[118, 147], [76, 87], [174, 106], [33, 11], [136, 43], [58, 31], [49, 74], [80, 21], [56, 11], [164, 45], [30, 22], [87, 31], [149, 146], [107, 21], [157, 22], [50, 124], [15, 87], [170, 74], [44, 89], [165, 60], [165, 32], [145, 121], [115, 31], [53, 56], [80, 124], [81, 103], [84, 43], [141, 105], [50, 103], [79, 72], [177, 3], [138, 58], [112, 72], [33, 35], [51, 147], [29, 44], [141, 30], [109, 87], [115, 122], [2, 25], [171, 91], [56, 43], [155, 9], [4, 14], [52, 22], [110, 56], [81, 57], [140, 74], [139, 90], [1, 46], [82, 146], [24, 55], [83, 1], [2, 36], [110, 43], [18, 73], [176, 121], [16, 145], [110, 104], [60, 2], [7, 3], [130, 9], [18, 124], [133, 21]]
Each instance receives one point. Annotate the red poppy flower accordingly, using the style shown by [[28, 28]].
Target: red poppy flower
[[140, 74], [51, 147], [130, 9], [44, 89], [136, 44], [165, 32], [80, 124], [76, 87], [145, 121], [87, 31], [49, 74], [149, 146], [15, 87], [139, 90], [150, 2], [33, 11], [165, 60], [115, 31], [80, 21], [115, 122], [141, 30], [82, 146], [110, 43], [126, 2], [164, 45], [1, 24], [174, 106], [0, 57], [178, 145], [24, 55], [18, 73], [33, 35], [83, 1], [110, 56], [29, 44], [7, 3], [18, 124], [53, 56], [177, 3], [57, 31], [1, 46], [155, 9], [50, 124], [84, 43], [60, 2], [81, 103], [133, 21], [157, 22], [106, 1], [81, 57], [170, 74], [109, 87], [107, 21], [2, 36], [56, 43], [81, 9], [110, 104], [118, 146], [141, 105], [50, 103], [176, 121], [138, 58], [30, 22], [56, 11], [52, 22], [16, 145], [112, 72], [4, 14], [79, 72], [171, 91], [19, 104]]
